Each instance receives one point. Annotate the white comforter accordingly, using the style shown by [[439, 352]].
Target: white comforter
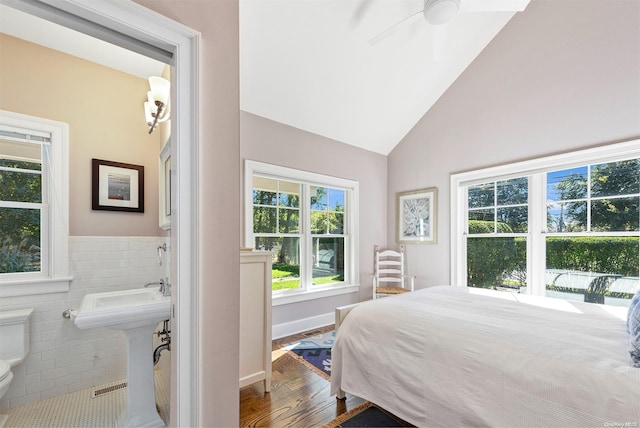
[[455, 356]]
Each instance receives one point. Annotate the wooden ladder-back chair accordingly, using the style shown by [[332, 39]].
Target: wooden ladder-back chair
[[389, 276]]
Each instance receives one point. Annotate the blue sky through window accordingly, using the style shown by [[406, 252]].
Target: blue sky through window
[[556, 177]]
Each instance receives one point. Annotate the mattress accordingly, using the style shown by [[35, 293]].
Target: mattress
[[457, 356]]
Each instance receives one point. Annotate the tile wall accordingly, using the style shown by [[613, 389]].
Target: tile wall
[[64, 358]]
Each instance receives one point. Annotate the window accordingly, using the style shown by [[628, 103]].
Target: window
[[33, 205], [564, 226], [308, 221]]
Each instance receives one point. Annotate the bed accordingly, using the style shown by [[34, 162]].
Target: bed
[[457, 357]]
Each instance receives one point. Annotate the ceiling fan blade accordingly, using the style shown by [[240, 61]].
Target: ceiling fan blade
[[395, 27], [493, 5], [439, 41]]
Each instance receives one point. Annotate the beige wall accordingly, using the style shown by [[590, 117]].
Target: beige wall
[[563, 75], [103, 108], [219, 202]]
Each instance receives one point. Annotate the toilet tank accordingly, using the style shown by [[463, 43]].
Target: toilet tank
[[14, 335]]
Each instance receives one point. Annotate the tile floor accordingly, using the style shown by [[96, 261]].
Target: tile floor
[[79, 409]]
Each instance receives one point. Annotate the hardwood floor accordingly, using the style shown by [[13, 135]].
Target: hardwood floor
[[299, 397]]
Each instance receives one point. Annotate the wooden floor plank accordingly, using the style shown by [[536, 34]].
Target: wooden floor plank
[[299, 397]]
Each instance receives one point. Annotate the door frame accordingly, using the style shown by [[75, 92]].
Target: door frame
[[151, 28]]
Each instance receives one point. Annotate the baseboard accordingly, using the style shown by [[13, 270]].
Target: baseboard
[[299, 326]]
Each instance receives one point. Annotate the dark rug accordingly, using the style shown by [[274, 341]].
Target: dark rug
[[317, 359], [366, 415]]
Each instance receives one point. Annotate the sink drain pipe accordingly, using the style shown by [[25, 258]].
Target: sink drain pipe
[[165, 336], [159, 349]]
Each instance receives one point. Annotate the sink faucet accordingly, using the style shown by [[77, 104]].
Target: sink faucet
[[165, 287]]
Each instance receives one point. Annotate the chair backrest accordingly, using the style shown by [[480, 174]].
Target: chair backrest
[[389, 267]]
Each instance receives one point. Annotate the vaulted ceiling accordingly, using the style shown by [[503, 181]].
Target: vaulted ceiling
[[324, 66]]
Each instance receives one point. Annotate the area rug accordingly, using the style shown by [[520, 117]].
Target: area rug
[[320, 340], [366, 415], [314, 351], [317, 359]]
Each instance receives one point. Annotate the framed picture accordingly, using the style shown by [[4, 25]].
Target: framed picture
[[117, 186], [164, 187], [417, 216]]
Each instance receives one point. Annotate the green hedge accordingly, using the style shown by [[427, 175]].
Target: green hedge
[[495, 261], [617, 255], [491, 260]]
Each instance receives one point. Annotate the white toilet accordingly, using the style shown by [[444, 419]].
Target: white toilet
[[14, 337]]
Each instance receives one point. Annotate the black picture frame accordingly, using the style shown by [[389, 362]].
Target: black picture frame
[[117, 186]]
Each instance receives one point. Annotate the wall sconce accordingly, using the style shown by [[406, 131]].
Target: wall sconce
[[156, 109]]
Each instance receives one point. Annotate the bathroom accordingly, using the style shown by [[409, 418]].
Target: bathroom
[[107, 250]]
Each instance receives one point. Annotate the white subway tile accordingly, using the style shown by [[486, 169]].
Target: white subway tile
[[39, 386], [55, 373]]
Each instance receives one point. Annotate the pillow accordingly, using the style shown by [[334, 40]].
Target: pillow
[[633, 326]]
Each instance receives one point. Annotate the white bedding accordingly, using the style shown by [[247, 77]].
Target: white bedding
[[456, 356]]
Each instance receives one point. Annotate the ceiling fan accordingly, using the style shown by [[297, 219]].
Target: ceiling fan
[[440, 12]]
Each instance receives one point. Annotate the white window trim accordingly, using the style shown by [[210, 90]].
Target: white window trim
[[54, 277], [536, 263], [350, 284]]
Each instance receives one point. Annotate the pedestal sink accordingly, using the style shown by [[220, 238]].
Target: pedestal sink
[[136, 312]]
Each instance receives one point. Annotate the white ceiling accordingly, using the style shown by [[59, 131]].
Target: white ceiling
[[311, 64]]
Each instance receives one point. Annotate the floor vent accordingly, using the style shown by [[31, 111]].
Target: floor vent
[[102, 390], [312, 333]]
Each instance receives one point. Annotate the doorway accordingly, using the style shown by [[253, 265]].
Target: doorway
[[130, 24]]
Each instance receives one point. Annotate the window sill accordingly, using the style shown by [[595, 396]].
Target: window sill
[[301, 296], [27, 287]]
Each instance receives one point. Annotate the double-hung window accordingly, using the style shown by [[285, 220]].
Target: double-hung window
[[33, 205], [307, 221], [564, 226]]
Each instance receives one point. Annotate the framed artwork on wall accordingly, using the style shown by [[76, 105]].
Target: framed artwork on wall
[[117, 186], [417, 216]]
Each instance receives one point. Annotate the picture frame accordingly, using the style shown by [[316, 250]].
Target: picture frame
[[417, 212], [164, 187], [117, 186]]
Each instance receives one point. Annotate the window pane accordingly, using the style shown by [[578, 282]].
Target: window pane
[[592, 269], [513, 219], [481, 195], [20, 186], [567, 184], [328, 260], [318, 198], [482, 221], [336, 223], [615, 178], [336, 200], [20, 240], [514, 191], [264, 219], [286, 260], [319, 222], [567, 216], [619, 214], [496, 262], [289, 220], [289, 194], [262, 197]]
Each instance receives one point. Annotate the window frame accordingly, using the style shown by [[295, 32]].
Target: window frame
[[350, 283], [536, 170], [54, 275]]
